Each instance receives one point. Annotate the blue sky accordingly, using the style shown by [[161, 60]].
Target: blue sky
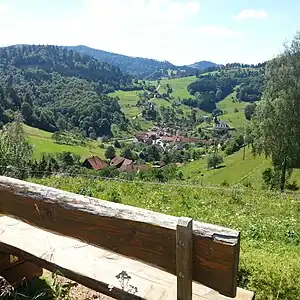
[[181, 31]]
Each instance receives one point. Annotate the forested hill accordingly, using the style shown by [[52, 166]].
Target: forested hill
[[203, 65], [58, 89], [137, 66], [31, 59]]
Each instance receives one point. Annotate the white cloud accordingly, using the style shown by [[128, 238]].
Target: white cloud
[[246, 14]]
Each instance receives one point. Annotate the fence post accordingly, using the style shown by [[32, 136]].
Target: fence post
[[184, 258]]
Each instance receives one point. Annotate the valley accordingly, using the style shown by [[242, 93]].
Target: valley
[[118, 128]]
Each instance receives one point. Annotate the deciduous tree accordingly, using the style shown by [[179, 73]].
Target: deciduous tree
[[276, 124]]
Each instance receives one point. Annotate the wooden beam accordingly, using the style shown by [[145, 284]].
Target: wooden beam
[[141, 234], [184, 258], [95, 267]]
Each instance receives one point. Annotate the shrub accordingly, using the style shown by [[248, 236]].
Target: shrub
[[117, 144], [213, 160], [110, 152]]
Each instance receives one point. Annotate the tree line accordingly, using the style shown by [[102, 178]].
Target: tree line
[[211, 88]]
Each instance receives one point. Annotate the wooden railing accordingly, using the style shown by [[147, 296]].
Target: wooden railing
[[191, 250]]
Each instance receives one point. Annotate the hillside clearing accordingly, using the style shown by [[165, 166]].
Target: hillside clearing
[[179, 86], [42, 143]]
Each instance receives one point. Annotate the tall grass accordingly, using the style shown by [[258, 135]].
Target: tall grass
[[269, 224]]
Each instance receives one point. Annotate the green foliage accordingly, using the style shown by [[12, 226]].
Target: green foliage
[[211, 88], [276, 124], [15, 151], [110, 152], [213, 160], [249, 110], [127, 153], [151, 153], [164, 174], [137, 66], [117, 144], [68, 138], [57, 89], [234, 145]]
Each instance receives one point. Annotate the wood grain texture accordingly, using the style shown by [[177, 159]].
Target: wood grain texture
[[130, 231], [95, 267], [184, 258]]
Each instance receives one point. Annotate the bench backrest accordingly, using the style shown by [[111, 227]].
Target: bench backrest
[[137, 233]]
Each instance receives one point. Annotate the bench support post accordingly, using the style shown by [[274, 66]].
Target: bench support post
[[184, 258]]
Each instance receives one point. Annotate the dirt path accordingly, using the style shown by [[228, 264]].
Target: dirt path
[[79, 292]]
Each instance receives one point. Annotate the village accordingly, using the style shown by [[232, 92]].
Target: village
[[157, 137]]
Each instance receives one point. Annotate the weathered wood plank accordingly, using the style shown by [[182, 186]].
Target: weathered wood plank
[[94, 267], [184, 258], [130, 231]]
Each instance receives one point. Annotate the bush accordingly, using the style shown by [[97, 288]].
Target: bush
[[213, 160], [117, 144], [270, 178], [110, 152], [292, 186], [109, 172]]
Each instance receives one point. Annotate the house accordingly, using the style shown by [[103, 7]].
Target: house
[[145, 136], [168, 139], [126, 164], [221, 125], [120, 162], [187, 140], [95, 163]]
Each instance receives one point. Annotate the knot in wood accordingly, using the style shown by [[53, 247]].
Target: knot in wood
[[181, 275], [180, 244], [132, 231]]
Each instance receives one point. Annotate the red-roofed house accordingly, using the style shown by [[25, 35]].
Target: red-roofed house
[[95, 163], [119, 162]]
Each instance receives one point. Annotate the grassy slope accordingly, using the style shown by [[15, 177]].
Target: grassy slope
[[179, 86], [269, 224], [228, 105], [128, 100], [234, 170], [42, 143]]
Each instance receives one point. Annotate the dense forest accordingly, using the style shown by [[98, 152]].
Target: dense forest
[[142, 68], [213, 87], [58, 89]]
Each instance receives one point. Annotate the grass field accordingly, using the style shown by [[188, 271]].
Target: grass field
[[234, 118], [234, 170], [179, 86], [42, 143], [269, 224], [128, 101]]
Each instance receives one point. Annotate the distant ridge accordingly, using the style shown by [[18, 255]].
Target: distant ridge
[[139, 66], [202, 65]]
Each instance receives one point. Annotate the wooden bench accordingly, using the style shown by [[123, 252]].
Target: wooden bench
[[92, 241]]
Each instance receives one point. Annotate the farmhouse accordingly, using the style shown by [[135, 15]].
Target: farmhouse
[[120, 162], [95, 163], [221, 125]]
